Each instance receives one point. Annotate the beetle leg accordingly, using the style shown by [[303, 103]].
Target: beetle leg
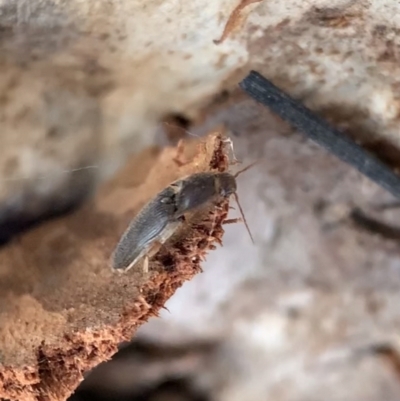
[[153, 249], [233, 221]]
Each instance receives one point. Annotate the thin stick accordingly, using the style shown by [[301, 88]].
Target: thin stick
[[318, 130]]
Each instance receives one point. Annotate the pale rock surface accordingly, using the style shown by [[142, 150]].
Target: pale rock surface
[[84, 83], [340, 57]]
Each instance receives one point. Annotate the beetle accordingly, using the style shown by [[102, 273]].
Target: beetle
[[154, 222], [160, 217]]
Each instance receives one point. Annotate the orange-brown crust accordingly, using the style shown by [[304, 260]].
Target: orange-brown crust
[[78, 322]]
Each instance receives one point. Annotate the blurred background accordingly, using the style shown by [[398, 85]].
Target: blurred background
[[311, 310]]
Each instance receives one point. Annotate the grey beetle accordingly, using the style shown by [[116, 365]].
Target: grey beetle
[[160, 217], [155, 222]]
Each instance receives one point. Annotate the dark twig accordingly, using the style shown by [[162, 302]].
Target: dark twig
[[317, 129]]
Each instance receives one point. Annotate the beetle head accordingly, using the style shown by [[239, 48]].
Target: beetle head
[[226, 184]]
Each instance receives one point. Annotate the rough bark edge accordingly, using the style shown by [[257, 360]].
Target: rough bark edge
[[59, 370]]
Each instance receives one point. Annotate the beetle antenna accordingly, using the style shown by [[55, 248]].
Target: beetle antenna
[[244, 218], [246, 168]]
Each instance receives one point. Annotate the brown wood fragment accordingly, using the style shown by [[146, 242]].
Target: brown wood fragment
[[62, 310]]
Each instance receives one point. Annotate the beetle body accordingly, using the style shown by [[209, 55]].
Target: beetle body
[[160, 217], [149, 225]]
